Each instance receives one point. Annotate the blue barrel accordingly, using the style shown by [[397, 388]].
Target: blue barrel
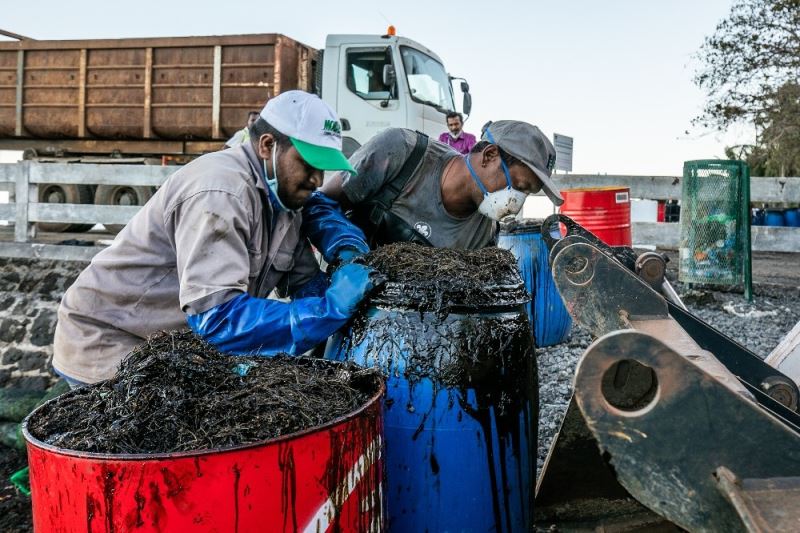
[[774, 217], [461, 410], [550, 321], [758, 217], [792, 217]]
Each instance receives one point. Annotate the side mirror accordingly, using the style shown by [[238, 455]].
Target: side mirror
[[389, 76], [466, 105], [464, 87]]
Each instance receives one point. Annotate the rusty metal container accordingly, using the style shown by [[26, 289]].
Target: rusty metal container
[[186, 88], [327, 478]]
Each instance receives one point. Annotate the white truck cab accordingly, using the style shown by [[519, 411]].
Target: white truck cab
[[376, 82]]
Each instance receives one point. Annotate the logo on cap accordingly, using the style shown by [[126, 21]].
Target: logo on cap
[[332, 127], [551, 162]]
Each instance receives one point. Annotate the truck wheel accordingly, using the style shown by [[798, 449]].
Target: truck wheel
[[59, 193], [121, 195]]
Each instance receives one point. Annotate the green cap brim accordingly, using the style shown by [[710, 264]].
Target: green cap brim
[[322, 157]]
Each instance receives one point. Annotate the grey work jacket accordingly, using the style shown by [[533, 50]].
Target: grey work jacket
[[209, 234]]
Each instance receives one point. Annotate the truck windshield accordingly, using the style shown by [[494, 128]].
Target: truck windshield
[[427, 80]]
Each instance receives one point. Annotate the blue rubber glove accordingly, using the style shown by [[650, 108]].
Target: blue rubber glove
[[247, 325], [316, 286], [346, 255], [328, 229]]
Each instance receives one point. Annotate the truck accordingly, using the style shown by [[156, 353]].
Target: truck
[[168, 100]]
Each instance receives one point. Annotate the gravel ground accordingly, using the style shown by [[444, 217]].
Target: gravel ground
[[758, 326], [15, 507]]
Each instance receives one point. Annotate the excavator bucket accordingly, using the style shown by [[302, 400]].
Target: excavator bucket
[[672, 425]]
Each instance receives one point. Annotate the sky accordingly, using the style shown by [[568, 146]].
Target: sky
[[616, 75]]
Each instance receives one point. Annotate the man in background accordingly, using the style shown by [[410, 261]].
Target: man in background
[[243, 135], [459, 140]]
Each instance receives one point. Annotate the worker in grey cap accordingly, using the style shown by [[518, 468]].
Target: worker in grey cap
[[410, 189]]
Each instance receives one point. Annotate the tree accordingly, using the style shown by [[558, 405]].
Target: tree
[[751, 55], [751, 73], [778, 153]]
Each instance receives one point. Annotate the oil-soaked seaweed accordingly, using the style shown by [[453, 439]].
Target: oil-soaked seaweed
[[444, 279], [177, 393]]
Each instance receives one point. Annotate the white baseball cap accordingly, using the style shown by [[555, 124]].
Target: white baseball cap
[[312, 126]]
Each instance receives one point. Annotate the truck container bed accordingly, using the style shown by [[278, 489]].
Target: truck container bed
[[172, 89]]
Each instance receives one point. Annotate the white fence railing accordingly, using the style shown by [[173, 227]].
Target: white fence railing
[[23, 180], [762, 190], [24, 209]]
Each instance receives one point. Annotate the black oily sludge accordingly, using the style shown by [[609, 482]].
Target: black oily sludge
[[462, 397], [441, 279]]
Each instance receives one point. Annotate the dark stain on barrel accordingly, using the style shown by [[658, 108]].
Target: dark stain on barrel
[[158, 513], [91, 508], [288, 485], [236, 477], [108, 482], [434, 464]]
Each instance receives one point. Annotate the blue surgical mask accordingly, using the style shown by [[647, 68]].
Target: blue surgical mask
[[272, 183]]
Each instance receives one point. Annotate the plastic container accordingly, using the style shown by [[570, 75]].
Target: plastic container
[[672, 211], [322, 479], [775, 217], [461, 411], [605, 211], [758, 217], [792, 217], [550, 321]]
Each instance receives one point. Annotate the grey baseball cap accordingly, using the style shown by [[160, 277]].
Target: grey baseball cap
[[528, 144]]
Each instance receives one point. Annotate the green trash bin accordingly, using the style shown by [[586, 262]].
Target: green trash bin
[[715, 224]]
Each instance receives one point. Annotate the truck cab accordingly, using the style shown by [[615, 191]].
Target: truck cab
[[376, 82]]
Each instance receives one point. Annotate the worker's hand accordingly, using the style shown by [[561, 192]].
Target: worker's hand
[[350, 284]]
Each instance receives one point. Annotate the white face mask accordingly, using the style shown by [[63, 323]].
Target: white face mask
[[455, 135], [498, 204], [502, 203]]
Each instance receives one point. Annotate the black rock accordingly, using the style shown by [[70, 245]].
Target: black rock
[[12, 330], [43, 328], [41, 383], [34, 361]]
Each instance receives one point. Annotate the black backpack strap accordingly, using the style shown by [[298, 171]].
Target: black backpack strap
[[371, 215]]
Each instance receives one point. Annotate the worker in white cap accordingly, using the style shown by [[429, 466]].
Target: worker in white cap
[[217, 238]]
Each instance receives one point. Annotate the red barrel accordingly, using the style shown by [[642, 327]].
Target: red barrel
[[327, 478], [605, 211]]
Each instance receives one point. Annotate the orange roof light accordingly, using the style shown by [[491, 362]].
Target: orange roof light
[[391, 31]]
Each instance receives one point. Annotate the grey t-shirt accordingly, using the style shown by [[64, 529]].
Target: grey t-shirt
[[420, 201]]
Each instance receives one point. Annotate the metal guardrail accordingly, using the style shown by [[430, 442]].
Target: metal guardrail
[[26, 177], [762, 190], [23, 179]]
